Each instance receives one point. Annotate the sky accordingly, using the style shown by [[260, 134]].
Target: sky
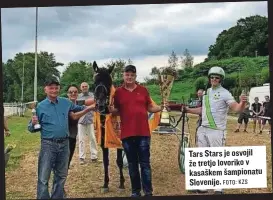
[[147, 34]]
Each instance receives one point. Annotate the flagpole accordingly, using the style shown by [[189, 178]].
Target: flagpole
[[23, 79], [35, 73]]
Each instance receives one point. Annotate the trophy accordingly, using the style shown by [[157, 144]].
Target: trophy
[[166, 78], [33, 111]]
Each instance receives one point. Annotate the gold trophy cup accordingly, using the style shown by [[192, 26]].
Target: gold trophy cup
[[166, 83]]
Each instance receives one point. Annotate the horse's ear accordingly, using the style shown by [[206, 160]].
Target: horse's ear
[[110, 69], [95, 67]]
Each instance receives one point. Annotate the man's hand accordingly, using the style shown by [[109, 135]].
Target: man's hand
[[184, 109], [165, 105], [7, 133], [34, 120], [91, 107], [111, 108], [243, 98]]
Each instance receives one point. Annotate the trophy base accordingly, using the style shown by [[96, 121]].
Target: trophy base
[[37, 127], [161, 129], [165, 122]]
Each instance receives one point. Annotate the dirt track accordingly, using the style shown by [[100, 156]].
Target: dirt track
[[86, 180]]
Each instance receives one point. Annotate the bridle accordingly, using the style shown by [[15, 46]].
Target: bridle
[[101, 103]]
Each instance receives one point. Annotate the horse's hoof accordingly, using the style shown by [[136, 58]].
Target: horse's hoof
[[104, 190]]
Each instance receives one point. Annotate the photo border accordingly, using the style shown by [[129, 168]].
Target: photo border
[[51, 3]]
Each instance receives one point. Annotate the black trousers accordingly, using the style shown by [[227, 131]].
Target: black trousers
[[72, 146]]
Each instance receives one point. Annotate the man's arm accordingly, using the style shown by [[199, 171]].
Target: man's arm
[[261, 109], [7, 133], [78, 115], [6, 124], [31, 127], [196, 111], [237, 107], [252, 108], [113, 108], [153, 108], [76, 108]]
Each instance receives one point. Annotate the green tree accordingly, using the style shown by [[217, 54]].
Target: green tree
[[76, 73], [248, 36], [187, 61], [201, 83], [13, 75], [173, 60]]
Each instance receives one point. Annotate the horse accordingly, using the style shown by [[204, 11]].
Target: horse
[[102, 88]]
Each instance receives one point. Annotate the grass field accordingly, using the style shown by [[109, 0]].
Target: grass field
[[176, 93], [86, 180]]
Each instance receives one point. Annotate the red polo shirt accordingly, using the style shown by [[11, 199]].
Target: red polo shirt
[[133, 108]]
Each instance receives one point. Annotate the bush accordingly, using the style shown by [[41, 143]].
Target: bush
[[201, 83]]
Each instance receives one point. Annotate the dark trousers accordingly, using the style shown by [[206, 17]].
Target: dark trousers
[[72, 146], [137, 150]]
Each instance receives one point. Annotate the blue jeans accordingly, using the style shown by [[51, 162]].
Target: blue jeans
[[54, 156], [137, 150]]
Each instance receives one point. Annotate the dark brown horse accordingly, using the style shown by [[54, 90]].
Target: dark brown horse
[[102, 85]]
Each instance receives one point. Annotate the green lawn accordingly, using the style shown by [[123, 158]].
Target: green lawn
[[22, 138]]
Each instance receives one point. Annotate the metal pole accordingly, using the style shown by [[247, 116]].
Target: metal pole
[[240, 76], [35, 75], [23, 79]]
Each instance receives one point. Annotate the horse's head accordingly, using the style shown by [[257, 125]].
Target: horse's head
[[103, 84]]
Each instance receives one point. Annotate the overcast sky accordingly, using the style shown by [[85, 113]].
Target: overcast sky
[[144, 33]]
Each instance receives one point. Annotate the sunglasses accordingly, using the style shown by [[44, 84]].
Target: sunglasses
[[71, 92], [215, 77]]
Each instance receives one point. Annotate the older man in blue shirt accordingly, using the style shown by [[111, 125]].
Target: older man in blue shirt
[[52, 114]]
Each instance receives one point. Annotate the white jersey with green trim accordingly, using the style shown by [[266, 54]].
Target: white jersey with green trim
[[215, 107]]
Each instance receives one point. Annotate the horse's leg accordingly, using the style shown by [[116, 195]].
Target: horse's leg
[[105, 154], [120, 166]]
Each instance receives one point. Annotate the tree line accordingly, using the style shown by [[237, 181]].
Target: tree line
[[242, 51], [18, 75]]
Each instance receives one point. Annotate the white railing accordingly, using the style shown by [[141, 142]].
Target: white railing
[[14, 109]]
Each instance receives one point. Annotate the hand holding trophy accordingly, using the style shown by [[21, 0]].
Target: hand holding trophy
[[35, 122]]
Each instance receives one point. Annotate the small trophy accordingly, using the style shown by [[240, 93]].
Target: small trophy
[[33, 111], [166, 78]]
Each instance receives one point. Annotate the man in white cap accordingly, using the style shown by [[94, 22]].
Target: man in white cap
[[214, 111]]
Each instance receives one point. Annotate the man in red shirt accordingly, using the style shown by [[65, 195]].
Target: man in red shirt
[[132, 102]]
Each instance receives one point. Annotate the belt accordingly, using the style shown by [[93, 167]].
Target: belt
[[57, 140]]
